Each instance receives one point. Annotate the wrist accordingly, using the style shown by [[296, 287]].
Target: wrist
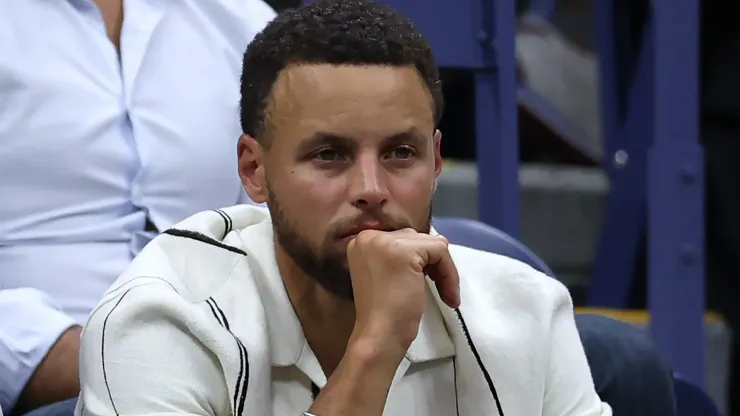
[[361, 382], [375, 352]]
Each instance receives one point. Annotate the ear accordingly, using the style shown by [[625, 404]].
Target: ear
[[437, 153], [252, 168]]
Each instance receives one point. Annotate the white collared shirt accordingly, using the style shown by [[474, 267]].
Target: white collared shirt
[[424, 383], [92, 145], [201, 324]]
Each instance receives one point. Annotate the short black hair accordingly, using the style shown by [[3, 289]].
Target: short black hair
[[338, 32]]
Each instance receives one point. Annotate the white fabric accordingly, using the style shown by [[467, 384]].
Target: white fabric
[[93, 143], [200, 324]]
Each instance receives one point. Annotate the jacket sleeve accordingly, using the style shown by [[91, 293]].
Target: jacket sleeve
[[140, 355], [569, 387]]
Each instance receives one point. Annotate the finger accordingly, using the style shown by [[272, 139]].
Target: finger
[[411, 234], [405, 232], [447, 280], [442, 270]]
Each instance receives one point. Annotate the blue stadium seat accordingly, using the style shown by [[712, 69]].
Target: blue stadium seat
[[691, 400], [477, 235]]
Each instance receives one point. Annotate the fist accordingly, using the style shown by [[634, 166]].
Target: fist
[[389, 271]]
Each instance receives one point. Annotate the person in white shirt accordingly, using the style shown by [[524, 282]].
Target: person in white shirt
[[115, 122], [341, 299]]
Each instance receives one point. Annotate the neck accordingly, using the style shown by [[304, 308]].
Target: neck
[[327, 320]]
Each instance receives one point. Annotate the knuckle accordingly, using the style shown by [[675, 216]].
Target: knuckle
[[351, 246], [396, 247], [365, 237]]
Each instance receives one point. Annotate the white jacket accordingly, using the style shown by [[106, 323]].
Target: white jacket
[[183, 331]]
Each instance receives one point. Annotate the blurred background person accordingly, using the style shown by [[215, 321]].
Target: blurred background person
[[116, 119]]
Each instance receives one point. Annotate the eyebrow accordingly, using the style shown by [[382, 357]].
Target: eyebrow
[[323, 138]]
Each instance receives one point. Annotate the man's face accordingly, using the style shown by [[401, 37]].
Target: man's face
[[352, 147]]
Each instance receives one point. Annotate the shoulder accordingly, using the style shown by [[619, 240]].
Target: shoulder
[[191, 262], [184, 259], [511, 283], [149, 312], [146, 348]]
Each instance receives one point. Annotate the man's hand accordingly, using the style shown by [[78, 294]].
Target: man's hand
[[388, 272]]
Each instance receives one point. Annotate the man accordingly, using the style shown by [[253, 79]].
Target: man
[[323, 305], [114, 122]]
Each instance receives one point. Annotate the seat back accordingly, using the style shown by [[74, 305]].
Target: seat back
[[692, 400], [480, 236]]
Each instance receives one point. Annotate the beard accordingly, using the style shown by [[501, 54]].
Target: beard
[[327, 265]]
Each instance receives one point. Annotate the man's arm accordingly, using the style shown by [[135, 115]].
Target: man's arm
[[360, 384], [569, 388], [38, 351]]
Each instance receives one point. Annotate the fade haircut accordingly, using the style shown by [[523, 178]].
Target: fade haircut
[[336, 32]]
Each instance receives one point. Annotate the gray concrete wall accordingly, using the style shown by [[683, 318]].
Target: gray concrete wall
[[561, 210]]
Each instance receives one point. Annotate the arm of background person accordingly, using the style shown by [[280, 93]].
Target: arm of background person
[[39, 348]]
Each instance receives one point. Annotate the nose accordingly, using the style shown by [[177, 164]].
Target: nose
[[368, 189]]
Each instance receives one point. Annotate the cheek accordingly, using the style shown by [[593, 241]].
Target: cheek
[[413, 194], [313, 199], [313, 189]]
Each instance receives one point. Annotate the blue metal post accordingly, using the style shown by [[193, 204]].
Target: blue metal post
[[627, 113], [497, 142], [675, 191], [654, 162]]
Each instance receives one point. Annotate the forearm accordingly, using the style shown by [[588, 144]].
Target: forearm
[[30, 326], [57, 377], [360, 384]]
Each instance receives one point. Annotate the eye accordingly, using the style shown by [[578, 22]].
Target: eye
[[402, 152], [327, 155]]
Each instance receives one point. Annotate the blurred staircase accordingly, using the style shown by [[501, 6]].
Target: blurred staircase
[[561, 212]]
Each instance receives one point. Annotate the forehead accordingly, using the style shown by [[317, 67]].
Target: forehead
[[350, 100]]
